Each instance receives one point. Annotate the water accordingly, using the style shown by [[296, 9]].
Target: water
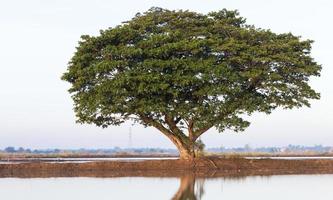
[[286, 187], [80, 160], [293, 157], [137, 159]]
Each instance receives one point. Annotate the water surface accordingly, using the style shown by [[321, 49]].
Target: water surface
[[305, 187], [292, 157], [137, 159], [81, 160]]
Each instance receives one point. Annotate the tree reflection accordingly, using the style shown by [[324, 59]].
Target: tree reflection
[[187, 190]]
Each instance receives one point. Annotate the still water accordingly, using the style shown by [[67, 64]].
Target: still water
[[305, 187], [138, 159], [81, 160]]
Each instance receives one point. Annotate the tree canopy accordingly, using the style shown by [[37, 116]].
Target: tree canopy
[[184, 72]]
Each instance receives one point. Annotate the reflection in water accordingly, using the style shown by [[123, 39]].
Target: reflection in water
[[186, 189], [288, 187]]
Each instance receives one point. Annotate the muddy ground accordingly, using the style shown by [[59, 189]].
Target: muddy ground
[[204, 167]]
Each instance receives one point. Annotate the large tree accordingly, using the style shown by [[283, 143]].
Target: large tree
[[184, 72]]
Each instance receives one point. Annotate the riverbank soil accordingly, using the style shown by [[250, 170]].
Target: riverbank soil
[[205, 167]]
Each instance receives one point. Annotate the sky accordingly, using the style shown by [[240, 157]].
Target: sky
[[38, 38]]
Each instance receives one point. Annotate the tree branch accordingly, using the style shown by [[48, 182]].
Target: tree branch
[[173, 126], [180, 140], [160, 127], [199, 132], [177, 120], [190, 131]]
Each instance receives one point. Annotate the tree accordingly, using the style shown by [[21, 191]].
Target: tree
[[10, 149], [184, 72], [199, 147], [21, 150]]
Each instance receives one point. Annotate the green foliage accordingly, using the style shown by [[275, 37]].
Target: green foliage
[[206, 69]]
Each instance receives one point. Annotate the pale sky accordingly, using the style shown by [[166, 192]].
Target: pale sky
[[38, 37]]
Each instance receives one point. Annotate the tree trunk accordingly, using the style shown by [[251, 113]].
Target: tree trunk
[[184, 144], [186, 153], [185, 148]]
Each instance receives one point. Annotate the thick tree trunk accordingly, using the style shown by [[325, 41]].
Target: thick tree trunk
[[185, 148], [186, 153], [184, 144]]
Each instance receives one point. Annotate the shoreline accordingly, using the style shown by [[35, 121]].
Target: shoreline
[[204, 167], [226, 155]]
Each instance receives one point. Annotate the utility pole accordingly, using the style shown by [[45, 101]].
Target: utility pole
[[130, 137]]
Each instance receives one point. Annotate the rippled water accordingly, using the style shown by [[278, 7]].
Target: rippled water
[[305, 187]]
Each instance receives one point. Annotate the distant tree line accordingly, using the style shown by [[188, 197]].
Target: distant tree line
[[115, 150], [11, 149]]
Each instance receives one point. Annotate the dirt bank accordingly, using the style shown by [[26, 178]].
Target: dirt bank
[[211, 167]]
